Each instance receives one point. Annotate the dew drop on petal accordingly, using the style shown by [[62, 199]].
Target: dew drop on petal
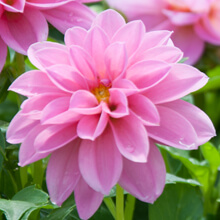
[[130, 148]]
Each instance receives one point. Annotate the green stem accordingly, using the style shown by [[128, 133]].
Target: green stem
[[23, 176], [19, 64], [129, 208], [119, 203], [110, 205], [38, 172]]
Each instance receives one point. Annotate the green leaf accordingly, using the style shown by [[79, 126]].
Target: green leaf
[[212, 155], [214, 80], [172, 179], [32, 194], [24, 203], [178, 202], [14, 209], [198, 170], [3, 126]]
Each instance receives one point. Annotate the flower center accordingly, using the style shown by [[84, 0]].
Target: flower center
[[101, 93], [10, 2]]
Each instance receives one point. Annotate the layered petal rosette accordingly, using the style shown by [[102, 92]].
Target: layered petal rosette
[[98, 105], [194, 22], [24, 22]]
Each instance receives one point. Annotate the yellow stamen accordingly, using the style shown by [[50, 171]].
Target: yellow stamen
[[101, 93]]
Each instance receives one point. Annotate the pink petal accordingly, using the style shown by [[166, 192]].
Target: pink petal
[[118, 104], [68, 15], [151, 39], [63, 172], [146, 74], [54, 137], [174, 130], [19, 127], [92, 126], [100, 162], [126, 86], [145, 180], [66, 78], [180, 18], [34, 105], [115, 60], [163, 53], [133, 8], [208, 27], [131, 138], [46, 4], [56, 112], [27, 152], [198, 119], [143, 108], [181, 80], [87, 200], [110, 21], [20, 30], [135, 30], [3, 54], [75, 36], [83, 62], [46, 54], [189, 42], [15, 7], [97, 51], [32, 83], [84, 102]]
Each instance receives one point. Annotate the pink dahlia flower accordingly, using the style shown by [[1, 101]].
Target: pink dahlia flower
[[98, 105], [24, 22], [194, 22]]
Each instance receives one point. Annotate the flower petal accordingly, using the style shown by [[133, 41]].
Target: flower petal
[[135, 30], [83, 62], [97, 51], [3, 54], [68, 15], [87, 199], [198, 119], [146, 74], [110, 21], [33, 106], [20, 30], [54, 137], [100, 162], [84, 102], [189, 42], [45, 4], [15, 7], [46, 54], [118, 104], [19, 127], [75, 36], [174, 130], [143, 108], [63, 172], [115, 60], [91, 126], [32, 83], [163, 53], [181, 80], [131, 138], [27, 152], [66, 78], [145, 180], [57, 112]]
